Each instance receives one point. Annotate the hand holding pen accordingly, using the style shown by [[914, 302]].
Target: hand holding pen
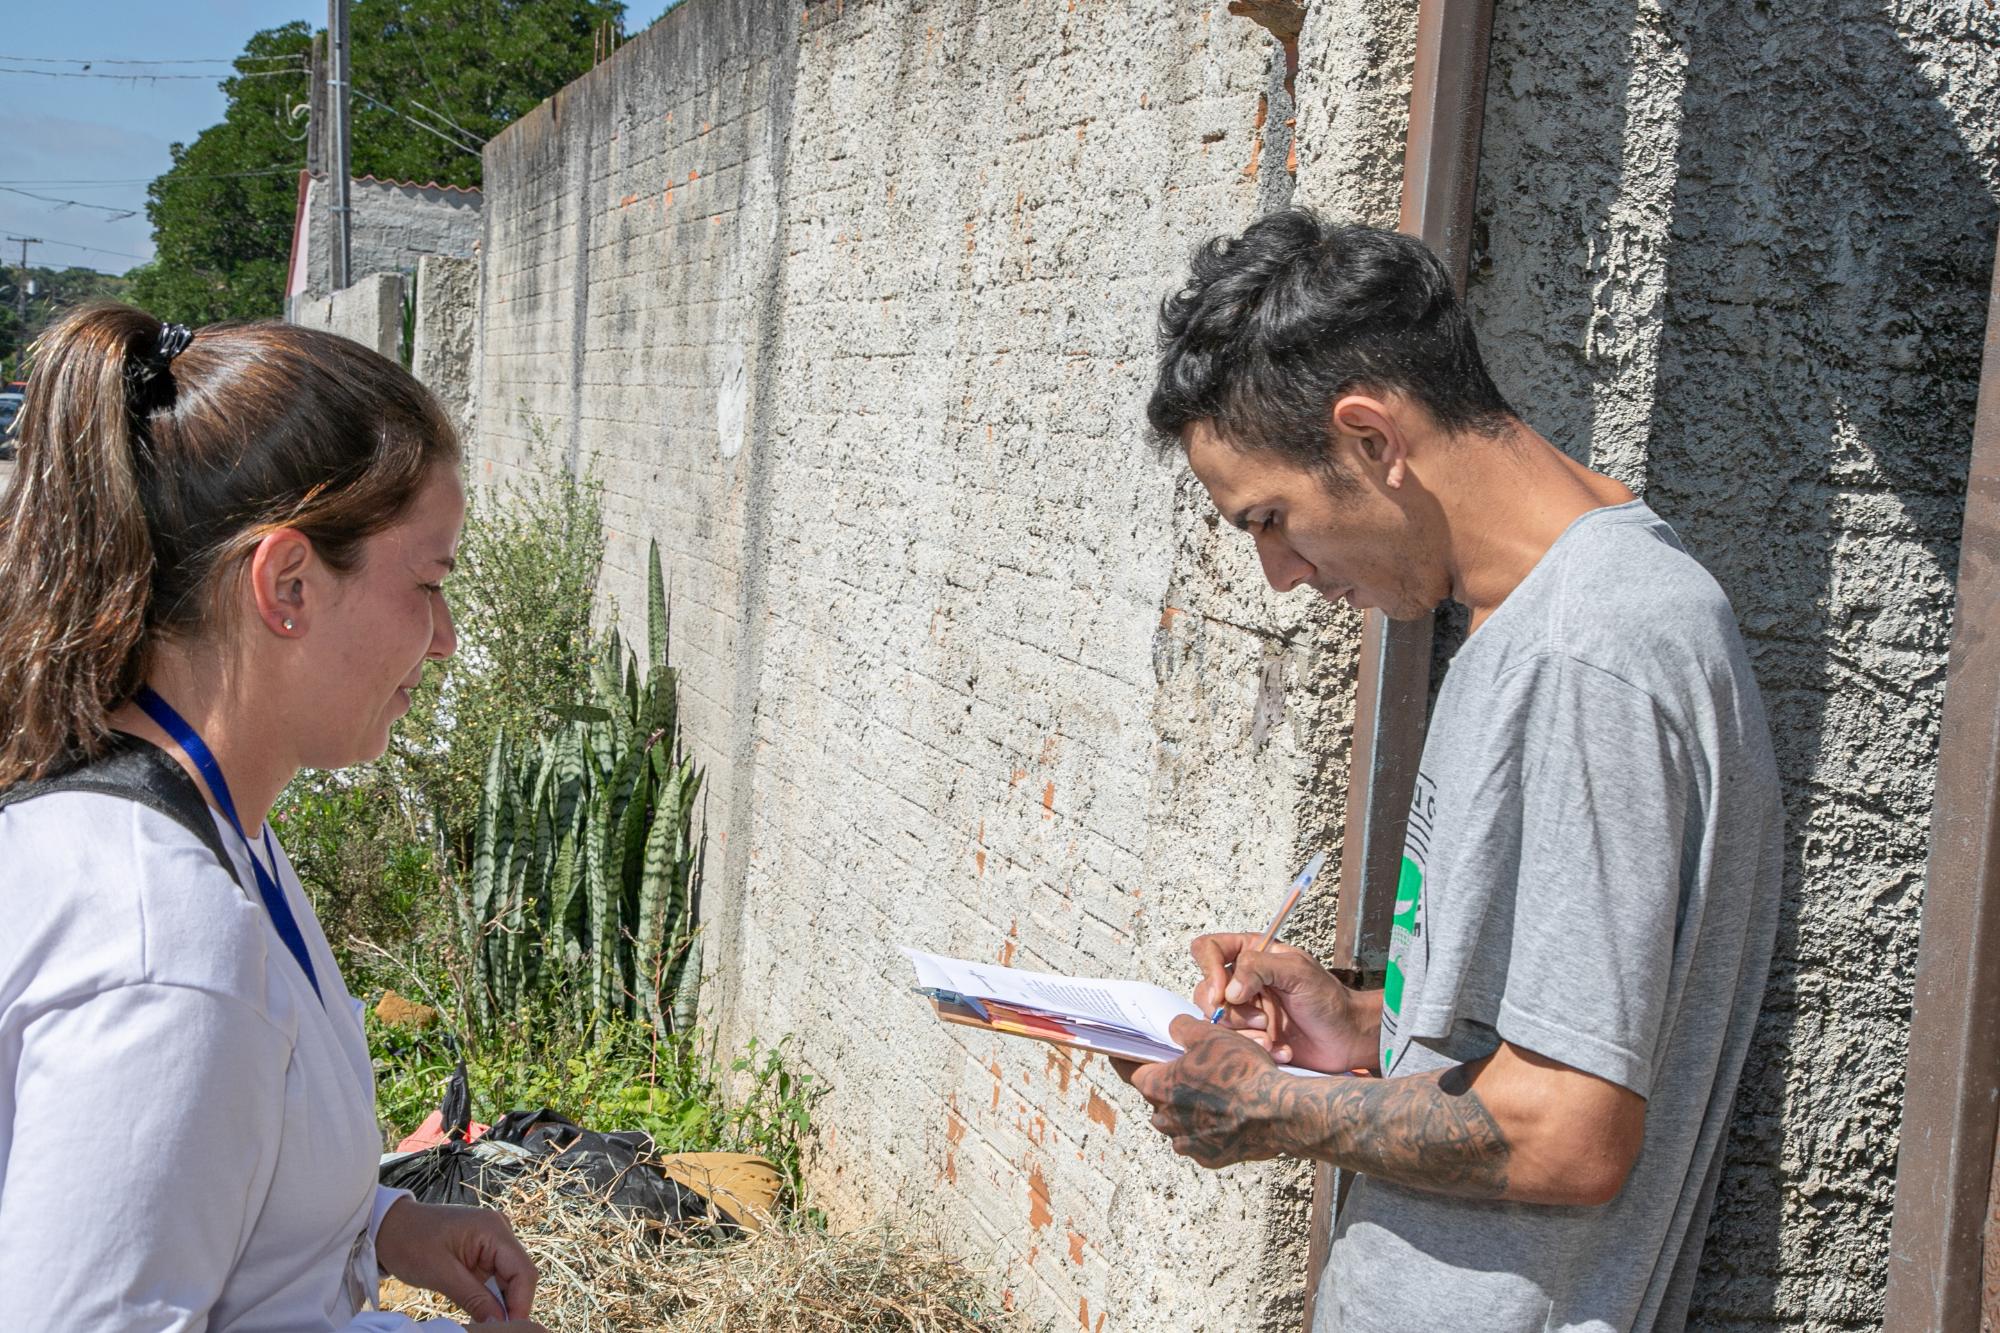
[[1285, 906], [1283, 999]]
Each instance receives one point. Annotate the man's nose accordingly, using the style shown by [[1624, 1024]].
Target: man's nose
[[1284, 568]]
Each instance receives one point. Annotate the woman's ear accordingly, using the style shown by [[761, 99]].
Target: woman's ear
[[282, 566]]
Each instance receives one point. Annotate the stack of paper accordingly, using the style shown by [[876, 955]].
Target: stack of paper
[[1124, 1019]]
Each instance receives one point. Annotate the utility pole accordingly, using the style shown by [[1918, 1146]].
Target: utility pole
[[339, 147], [21, 283], [316, 111]]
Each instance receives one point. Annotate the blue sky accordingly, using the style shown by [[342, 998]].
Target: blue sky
[[100, 140]]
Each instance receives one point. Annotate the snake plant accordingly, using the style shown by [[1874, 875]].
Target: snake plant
[[586, 867]]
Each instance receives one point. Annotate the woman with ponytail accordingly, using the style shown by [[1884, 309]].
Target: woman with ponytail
[[221, 561]]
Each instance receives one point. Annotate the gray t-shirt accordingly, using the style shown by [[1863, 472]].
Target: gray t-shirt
[[1592, 873]]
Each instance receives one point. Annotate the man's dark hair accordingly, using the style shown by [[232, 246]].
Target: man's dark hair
[[1275, 325]]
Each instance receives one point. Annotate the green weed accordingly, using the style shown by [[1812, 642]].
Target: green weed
[[675, 1088]]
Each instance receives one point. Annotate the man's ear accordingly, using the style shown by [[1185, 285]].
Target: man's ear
[[283, 566], [1369, 440]]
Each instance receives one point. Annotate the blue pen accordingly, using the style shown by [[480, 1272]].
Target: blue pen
[[1297, 891]]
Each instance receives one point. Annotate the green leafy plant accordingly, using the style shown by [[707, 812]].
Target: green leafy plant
[[361, 854], [625, 1077], [521, 597], [585, 867]]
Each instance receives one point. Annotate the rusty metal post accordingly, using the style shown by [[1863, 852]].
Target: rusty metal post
[[1390, 697], [1440, 185], [1944, 1167]]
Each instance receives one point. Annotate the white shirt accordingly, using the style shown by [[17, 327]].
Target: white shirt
[[187, 1136]]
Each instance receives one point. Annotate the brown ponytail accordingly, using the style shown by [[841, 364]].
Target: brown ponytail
[[133, 499]]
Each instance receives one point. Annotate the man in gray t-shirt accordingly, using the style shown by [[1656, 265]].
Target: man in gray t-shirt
[[1589, 873], [1589, 889]]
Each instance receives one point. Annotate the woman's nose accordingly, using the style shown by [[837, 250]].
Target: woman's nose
[[444, 631]]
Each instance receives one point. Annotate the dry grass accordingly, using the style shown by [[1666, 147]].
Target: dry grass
[[606, 1273]]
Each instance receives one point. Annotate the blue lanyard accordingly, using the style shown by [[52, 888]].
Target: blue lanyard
[[275, 901]]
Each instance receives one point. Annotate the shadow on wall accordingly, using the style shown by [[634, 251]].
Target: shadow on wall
[[1811, 262]]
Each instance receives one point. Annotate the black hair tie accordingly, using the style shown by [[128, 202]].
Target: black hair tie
[[151, 367], [174, 339]]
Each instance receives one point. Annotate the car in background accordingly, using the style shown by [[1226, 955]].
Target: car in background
[[10, 407]]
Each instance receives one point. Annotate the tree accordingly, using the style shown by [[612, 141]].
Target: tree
[[431, 80], [55, 290], [459, 65], [222, 214]]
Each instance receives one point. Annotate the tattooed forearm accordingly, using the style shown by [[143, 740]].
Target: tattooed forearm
[[1429, 1131], [1223, 1102]]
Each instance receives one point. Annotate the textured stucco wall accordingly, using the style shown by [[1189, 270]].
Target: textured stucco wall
[[1738, 255], [370, 312], [627, 317]]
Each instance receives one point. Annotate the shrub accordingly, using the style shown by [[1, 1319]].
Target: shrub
[[527, 571], [362, 855]]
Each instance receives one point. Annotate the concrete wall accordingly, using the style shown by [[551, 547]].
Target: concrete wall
[[370, 312], [445, 350], [851, 307], [395, 225]]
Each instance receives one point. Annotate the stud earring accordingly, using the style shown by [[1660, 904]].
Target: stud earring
[[288, 623]]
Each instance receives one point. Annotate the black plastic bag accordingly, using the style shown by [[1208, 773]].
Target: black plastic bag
[[615, 1169], [454, 1172]]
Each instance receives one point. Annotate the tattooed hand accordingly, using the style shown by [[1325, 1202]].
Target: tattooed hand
[[1225, 1101], [1212, 1101]]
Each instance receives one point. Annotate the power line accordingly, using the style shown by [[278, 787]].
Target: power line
[[200, 60], [427, 128], [148, 180], [417, 46], [116, 213], [420, 124], [96, 249], [291, 73], [448, 120]]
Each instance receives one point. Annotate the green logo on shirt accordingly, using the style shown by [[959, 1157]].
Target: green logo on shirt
[[1409, 894]]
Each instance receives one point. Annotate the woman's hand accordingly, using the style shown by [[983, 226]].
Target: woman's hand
[[1287, 1003], [452, 1251]]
